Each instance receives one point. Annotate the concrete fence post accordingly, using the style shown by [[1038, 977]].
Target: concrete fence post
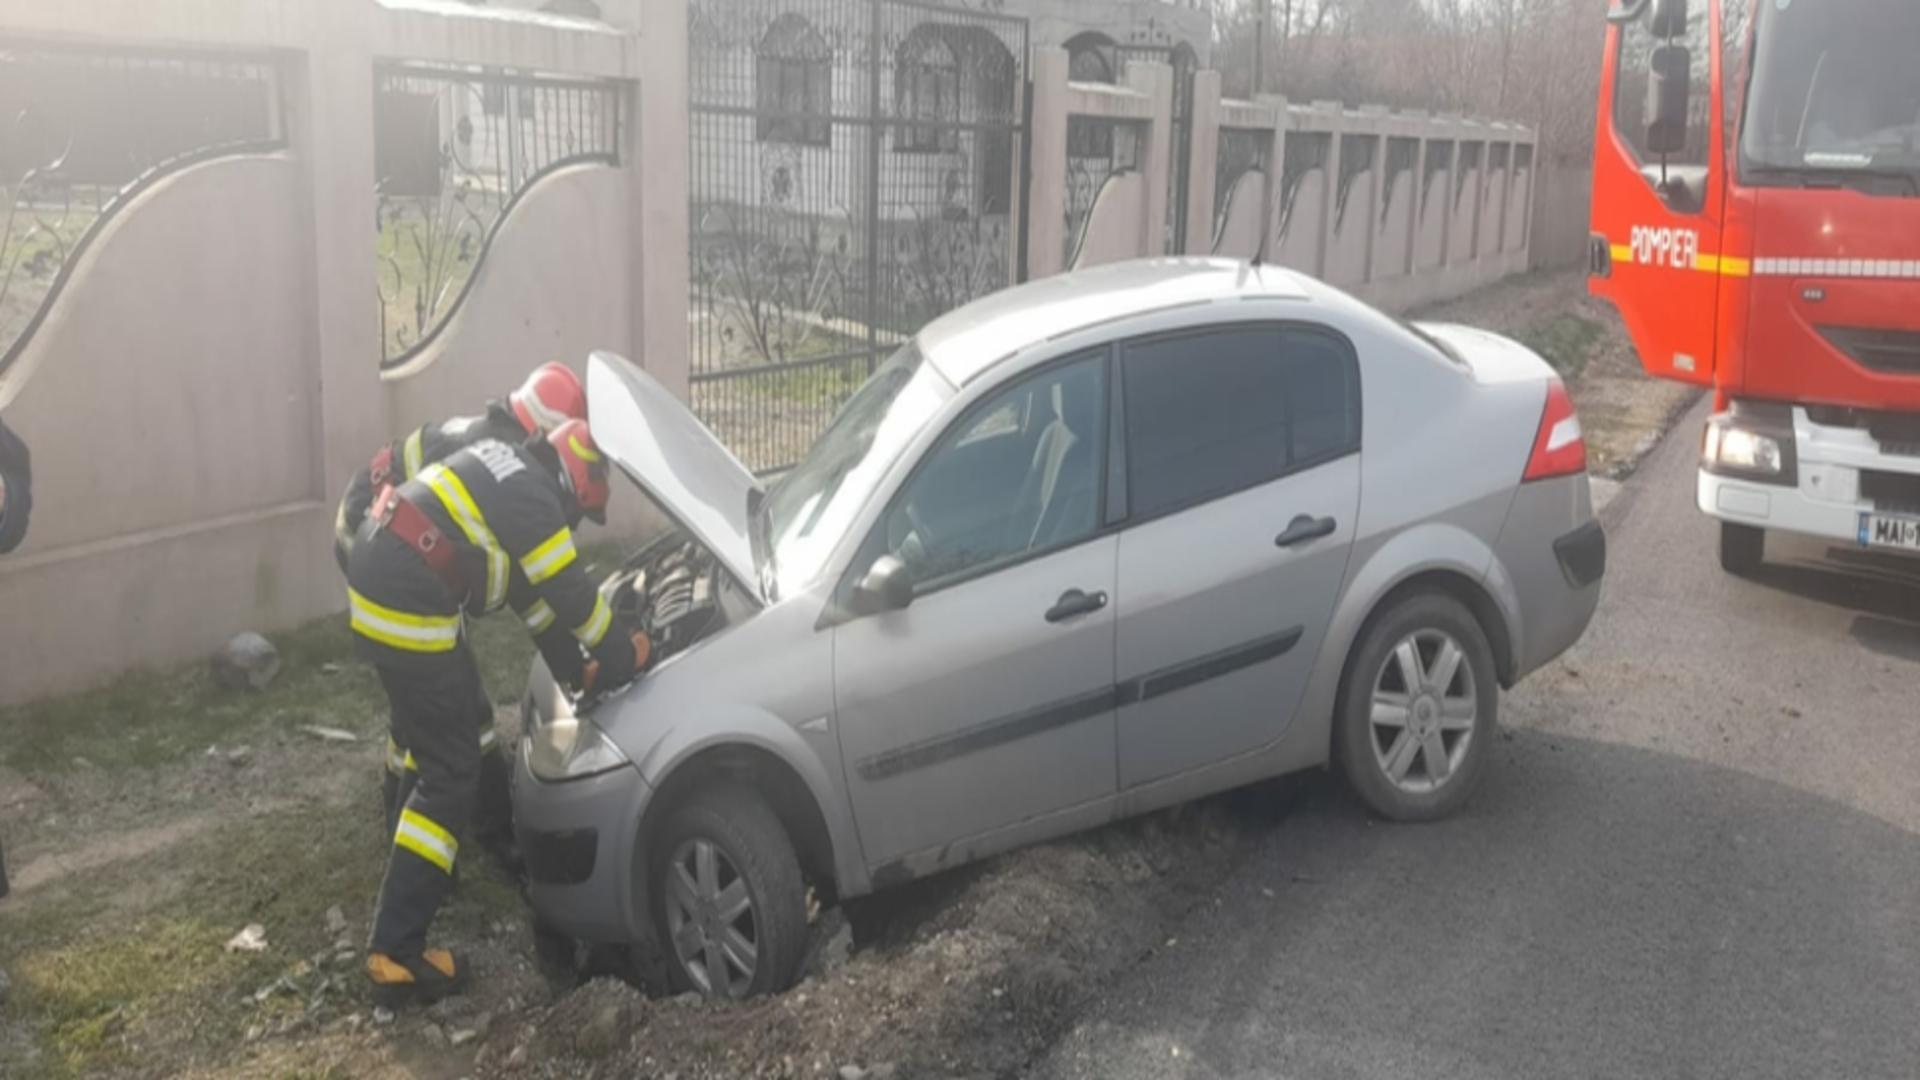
[[1276, 173], [1046, 211], [1155, 80], [1203, 170], [331, 124], [659, 141]]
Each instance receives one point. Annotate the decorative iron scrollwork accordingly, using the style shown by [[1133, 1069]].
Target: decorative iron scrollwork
[[84, 130], [454, 149]]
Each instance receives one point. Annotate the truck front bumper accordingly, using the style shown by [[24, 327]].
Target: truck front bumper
[[1825, 497]]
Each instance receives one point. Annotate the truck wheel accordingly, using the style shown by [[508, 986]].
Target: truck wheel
[[1417, 709], [1741, 548], [728, 900]]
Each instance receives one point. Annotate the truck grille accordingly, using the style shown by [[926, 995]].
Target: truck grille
[[1896, 352], [1896, 492], [1896, 432]]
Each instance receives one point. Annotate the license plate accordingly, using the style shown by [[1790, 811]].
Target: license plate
[[1885, 530]]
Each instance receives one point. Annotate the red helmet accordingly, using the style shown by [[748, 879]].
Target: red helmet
[[550, 397], [583, 471]]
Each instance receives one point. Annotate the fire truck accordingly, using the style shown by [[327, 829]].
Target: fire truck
[[1756, 222]]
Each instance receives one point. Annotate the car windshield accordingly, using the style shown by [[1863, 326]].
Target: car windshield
[[810, 507], [1835, 88]]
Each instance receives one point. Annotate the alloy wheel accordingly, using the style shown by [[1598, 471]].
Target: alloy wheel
[[1424, 710], [711, 920]]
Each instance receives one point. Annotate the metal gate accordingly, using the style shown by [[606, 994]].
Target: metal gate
[[856, 170]]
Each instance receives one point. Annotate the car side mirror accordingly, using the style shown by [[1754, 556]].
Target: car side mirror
[[886, 586], [1667, 90]]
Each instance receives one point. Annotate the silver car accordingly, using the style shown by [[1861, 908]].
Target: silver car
[[1083, 549]]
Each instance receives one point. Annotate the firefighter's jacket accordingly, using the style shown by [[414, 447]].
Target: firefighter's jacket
[[425, 446], [503, 510]]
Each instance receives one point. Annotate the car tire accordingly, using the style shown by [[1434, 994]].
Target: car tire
[[719, 838], [1741, 548], [1417, 780]]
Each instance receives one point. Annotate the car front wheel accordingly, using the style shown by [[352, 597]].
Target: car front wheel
[[729, 902], [1418, 709]]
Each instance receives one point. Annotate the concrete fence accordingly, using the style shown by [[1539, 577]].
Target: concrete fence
[[385, 211], [1402, 209], [206, 369]]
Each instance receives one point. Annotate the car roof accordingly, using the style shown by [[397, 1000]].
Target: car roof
[[966, 343]]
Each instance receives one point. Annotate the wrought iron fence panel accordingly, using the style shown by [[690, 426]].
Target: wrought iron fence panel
[[454, 149], [1306, 151], [1241, 151], [854, 174], [1402, 153], [1439, 159], [85, 129], [1356, 160], [1100, 149]]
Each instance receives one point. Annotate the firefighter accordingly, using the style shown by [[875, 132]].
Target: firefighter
[[550, 396], [490, 526], [16, 503]]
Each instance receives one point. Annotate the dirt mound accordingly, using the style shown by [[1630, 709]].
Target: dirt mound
[[968, 974]]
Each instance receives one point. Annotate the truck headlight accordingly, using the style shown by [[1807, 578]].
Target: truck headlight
[[571, 748], [1752, 443], [1746, 450]]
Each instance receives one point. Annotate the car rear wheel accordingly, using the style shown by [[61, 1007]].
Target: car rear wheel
[[729, 902], [1418, 708], [1741, 548]]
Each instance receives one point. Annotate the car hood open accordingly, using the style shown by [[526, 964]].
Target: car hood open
[[670, 453]]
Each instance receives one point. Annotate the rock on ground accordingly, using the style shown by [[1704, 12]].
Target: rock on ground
[[246, 662]]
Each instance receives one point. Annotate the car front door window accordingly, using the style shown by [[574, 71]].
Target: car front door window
[[1019, 474]]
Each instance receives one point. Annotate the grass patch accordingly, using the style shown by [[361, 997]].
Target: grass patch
[[151, 718], [107, 988], [1565, 341]]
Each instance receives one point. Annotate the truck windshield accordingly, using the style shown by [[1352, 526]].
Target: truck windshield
[[1835, 89]]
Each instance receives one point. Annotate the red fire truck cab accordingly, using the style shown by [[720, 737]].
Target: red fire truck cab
[[1756, 221]]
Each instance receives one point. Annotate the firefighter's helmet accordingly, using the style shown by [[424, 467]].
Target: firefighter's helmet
[[583, 470], [550, 397]]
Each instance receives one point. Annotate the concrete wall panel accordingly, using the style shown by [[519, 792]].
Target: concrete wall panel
[[1244, 218], [172, 381], [1299, 245], [1391, 236], [1114, 227]]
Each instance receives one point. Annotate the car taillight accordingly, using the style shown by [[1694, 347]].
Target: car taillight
[[1559, 449]]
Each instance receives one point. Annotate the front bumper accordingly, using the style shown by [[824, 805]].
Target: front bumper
[[1825, 496], [578, 841]]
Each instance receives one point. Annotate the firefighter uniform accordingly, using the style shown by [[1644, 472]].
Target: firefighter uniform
[[16, 505], [501, 523], [396, 464]]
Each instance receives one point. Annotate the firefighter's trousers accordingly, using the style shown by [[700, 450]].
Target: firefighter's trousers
[[492, 810], [432, 699]]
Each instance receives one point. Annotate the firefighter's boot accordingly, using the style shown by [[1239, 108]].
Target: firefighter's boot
[[435, 974]]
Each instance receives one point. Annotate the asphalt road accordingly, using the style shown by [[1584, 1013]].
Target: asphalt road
[[1698, 855]]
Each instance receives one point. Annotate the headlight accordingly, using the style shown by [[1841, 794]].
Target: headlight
[[1747, 450], [569, 748], [1753, 442]]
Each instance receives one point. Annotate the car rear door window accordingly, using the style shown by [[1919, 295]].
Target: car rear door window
[[1216, 411]]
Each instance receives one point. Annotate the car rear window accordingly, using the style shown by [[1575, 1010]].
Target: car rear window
[[1216, 411]]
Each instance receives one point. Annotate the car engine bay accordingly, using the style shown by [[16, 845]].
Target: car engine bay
[[676, 591]]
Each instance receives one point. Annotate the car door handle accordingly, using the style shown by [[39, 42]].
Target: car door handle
[[1303, 529], [1076, 602]]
